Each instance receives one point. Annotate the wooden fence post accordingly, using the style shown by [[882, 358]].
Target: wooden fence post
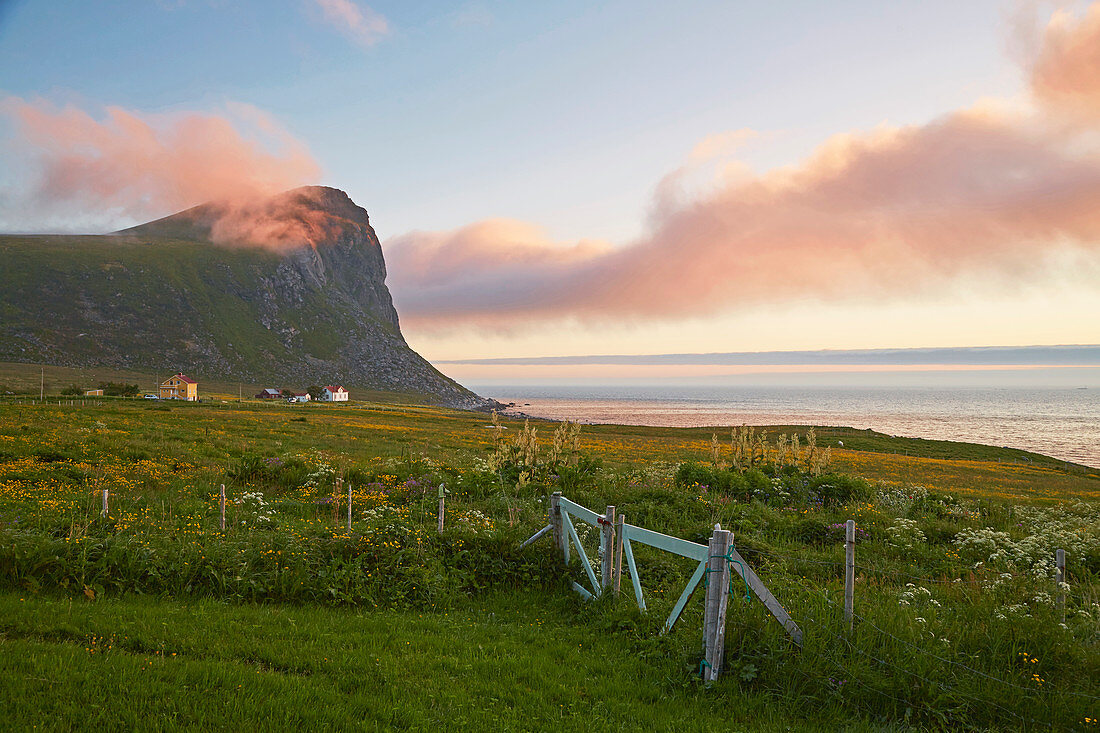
[[619, 551], [714, 620], [336, 494], [555, 521], [105, 512], [442, 491], [849, 572], [1060, 577], [221, 506], [607, 548], [349, 508]]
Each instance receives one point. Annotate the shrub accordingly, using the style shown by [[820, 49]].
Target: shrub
[[836, 490], [582, 475], [939, 532], [249, 469], [811, 532], [119, 389], [357, 476], [756, 480], [661, 509], [934, 504], [905, 533], [722, 481], [775, 487], [290, 473]]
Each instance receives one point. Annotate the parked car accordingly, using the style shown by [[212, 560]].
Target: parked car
[[291, 399], [151, 397]]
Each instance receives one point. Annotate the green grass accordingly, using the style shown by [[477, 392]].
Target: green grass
[[320, 626], [506, 663]]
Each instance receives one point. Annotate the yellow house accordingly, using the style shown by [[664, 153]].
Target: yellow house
[[179, 387]]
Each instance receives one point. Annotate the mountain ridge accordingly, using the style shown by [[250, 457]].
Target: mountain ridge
[[290, 288]]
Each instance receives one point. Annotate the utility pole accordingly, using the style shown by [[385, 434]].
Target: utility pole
[[42, 386]]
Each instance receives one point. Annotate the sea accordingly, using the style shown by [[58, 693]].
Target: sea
[[1059, 422]]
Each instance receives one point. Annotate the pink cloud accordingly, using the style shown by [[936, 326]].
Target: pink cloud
[[303, 217], [492, 247], [987, 193], [360, 23], [1067, 72], [126, 164]]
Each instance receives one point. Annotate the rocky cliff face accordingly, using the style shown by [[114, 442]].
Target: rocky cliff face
[[289, 291], [325, 238]]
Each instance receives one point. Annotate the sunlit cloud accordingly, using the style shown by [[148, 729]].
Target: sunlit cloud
[[1002, 193], [488, 265], [720, 144], [302, 218], [115, 165], [1067, 71], [358, 22]]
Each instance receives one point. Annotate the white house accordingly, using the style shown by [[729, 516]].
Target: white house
[[302, 396], [334, 393]]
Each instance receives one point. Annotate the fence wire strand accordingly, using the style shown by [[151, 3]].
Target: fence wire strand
[[945, 660], [865, 568], [946, 688]]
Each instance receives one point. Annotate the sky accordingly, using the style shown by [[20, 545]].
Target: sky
[[577, 178]]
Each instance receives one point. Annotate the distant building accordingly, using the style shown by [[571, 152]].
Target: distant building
[[269, 394], [303, 396], [334, 393], [93, 393], [179, 387]]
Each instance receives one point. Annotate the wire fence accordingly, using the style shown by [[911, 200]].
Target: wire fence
[[963, 685], [841, 565], [822, 626], [866, 569], [945, 660]]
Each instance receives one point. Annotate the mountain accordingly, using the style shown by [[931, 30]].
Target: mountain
[[287, 291]]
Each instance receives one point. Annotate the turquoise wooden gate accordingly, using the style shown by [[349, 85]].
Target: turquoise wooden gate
[[562, 511]]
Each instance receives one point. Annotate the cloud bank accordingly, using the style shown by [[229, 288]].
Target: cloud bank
[[994, 192], [1077, 355], [124, 164]]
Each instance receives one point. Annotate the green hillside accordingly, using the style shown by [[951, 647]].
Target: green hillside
[[146, 302], [131, 297]]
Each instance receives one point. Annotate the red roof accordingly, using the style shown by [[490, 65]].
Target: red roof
[[185, 380], [335, 388]]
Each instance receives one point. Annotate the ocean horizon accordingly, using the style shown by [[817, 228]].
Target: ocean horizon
[[1062, 422]]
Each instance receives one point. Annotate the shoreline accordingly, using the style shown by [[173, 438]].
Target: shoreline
[[1068, 439]]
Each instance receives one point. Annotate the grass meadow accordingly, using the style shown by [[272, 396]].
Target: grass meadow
[[153, 616]]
